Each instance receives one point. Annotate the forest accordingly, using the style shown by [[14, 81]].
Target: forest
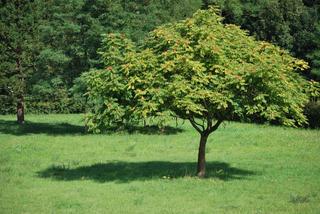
[[46, 45]]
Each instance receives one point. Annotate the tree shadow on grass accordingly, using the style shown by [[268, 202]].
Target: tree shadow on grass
[[13, 128], [130, 171], [147, 130]]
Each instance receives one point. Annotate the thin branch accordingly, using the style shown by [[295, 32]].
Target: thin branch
[[193, 120], [215, 127], [209, 124], [196, 127], [194, 124], [203, 123]]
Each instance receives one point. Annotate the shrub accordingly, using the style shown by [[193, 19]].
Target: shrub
[[312, 111]]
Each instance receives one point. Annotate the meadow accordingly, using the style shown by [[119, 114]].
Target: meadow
[[50, 165]]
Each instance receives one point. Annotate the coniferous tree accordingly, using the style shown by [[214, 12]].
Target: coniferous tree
[[19, 44]]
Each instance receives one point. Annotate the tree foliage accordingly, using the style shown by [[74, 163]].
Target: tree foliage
[[125, 90], [201, 68]]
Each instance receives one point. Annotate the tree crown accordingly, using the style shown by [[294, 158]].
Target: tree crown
[[199, 69]]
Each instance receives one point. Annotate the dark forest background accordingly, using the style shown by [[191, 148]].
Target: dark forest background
[[46, 44]]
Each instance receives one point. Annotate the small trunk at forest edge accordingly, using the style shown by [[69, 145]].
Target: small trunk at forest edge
[[20, 110], [201, 170], [20, 101]]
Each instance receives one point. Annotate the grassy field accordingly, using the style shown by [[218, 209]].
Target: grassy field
[[51, 166]]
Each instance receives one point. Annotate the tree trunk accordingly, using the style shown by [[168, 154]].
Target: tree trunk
[[20, 110], [20, 91], [201, 170]]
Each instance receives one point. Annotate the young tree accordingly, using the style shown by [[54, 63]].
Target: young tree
[[19, 44], [206, 72]]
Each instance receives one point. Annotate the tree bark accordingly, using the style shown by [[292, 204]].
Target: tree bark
[[204, 132], [20, 110], [201, 170]]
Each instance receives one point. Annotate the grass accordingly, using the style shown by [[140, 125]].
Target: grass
[[50, 165]]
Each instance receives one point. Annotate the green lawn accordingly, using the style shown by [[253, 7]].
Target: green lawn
[[51, 166]]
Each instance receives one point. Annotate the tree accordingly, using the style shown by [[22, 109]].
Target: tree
[[19, 44], [203, 71], [314, 55]]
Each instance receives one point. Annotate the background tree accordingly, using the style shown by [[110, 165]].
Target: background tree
[[314, 54], [200, 70], [19, 44]]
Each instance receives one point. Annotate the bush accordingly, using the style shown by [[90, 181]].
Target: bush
[[35, 105], [312, 111], [7, 104]]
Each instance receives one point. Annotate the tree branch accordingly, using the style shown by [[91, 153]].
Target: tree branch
[[195, 125], [209, 124], [193, 120], [5, 41], [215, 127]]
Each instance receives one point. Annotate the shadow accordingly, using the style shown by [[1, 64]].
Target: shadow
[[147, 130], [12, 127], [130, 171]]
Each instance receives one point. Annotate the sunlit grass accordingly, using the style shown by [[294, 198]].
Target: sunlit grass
[[52, 166]]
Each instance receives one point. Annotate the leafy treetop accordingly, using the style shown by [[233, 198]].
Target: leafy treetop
[[198, 69], [217, 71]]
